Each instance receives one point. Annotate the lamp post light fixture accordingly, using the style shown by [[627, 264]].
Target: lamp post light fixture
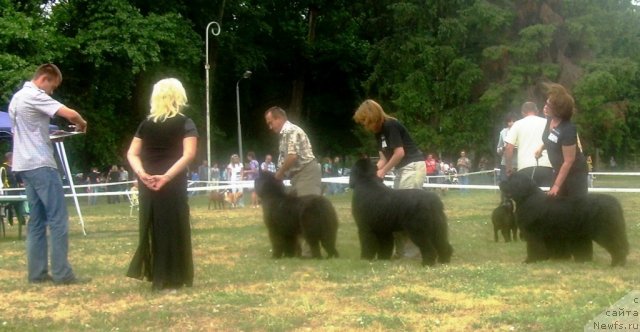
[[246, 74], [215, 30]]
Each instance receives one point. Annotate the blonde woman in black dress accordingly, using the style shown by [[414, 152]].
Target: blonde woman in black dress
[[163, 146]]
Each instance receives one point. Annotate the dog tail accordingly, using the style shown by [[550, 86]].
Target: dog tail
[[614, 238], [623, 242], [328, 239], [441, 232]]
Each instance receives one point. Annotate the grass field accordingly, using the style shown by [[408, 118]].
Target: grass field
[[239, 287]]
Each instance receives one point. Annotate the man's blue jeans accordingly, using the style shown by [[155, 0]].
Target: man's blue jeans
[[47, 209]]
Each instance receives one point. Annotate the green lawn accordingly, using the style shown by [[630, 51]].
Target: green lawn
[[239, 287]]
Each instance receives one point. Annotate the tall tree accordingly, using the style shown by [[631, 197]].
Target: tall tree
[[111, 54], [426, 69], [590, 47]]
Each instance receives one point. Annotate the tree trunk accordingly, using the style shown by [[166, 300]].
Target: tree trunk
[[297, 89]]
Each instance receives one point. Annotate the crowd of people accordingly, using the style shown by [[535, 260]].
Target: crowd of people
[[547, 149]]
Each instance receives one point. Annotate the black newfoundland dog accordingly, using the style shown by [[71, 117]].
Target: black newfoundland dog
[[288, 216], [554, 227], [379, 211]]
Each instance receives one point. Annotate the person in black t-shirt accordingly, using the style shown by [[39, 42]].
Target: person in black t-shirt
[[560, 139], [395, 146], [160, 153], [397, 151]]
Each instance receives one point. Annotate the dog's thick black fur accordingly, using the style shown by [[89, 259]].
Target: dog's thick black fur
[[504, 221], [288, 216], [551, 225], [379, 211]]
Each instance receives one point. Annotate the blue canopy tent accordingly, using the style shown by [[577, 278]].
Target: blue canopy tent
[[5, 125], [5, 133]]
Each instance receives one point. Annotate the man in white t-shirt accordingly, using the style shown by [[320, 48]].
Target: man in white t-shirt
[[526, 135], [30, 110]]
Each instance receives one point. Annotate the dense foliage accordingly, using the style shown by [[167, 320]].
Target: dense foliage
[[448, 69]]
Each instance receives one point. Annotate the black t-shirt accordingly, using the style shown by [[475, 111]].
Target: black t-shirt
[[93, 177], [162, 142], [565, 134], [393, 135]]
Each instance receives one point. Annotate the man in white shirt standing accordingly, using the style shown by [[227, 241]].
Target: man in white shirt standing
[[526, 135], [30, 110]]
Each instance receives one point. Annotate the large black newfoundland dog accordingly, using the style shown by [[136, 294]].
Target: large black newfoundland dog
[[554, 227], [379, 211], [288, 216]]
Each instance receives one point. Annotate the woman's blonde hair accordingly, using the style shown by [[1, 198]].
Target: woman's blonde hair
[[370, 115], [167, 99]]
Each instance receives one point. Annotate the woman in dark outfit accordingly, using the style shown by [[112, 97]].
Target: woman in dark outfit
[[163, 147], [397, 151], [560, 138]]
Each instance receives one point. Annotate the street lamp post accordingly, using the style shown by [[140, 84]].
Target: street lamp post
[[246, 74], [215, 30]]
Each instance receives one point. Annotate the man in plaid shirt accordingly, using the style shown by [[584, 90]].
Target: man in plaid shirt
[[296, 159]]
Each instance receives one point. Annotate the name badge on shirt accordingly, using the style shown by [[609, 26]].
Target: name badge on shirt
[[384, 142], [553, 138]]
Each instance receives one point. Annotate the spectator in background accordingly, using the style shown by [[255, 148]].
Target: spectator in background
[[338, 167], [234, 172], [124, 178], [124, 175], [327, 167], [268, 165], [431, 165], [327, 171], [338, 170], [443, 170], [203, 171], [482, 163], [509, 119], [464, 166], [195, 179], [453, 174], [92, 180], [113, 177], [215, 174], [250, 174]]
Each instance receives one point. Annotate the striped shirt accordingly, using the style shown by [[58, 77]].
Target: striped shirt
[[30, 111], [293, 140]]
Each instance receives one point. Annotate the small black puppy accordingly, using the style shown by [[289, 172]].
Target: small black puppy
[[504, 221]]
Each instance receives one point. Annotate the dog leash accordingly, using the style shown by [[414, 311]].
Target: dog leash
[[534, 169]]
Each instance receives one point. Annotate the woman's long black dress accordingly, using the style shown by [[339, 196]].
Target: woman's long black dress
[[164, 254]]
